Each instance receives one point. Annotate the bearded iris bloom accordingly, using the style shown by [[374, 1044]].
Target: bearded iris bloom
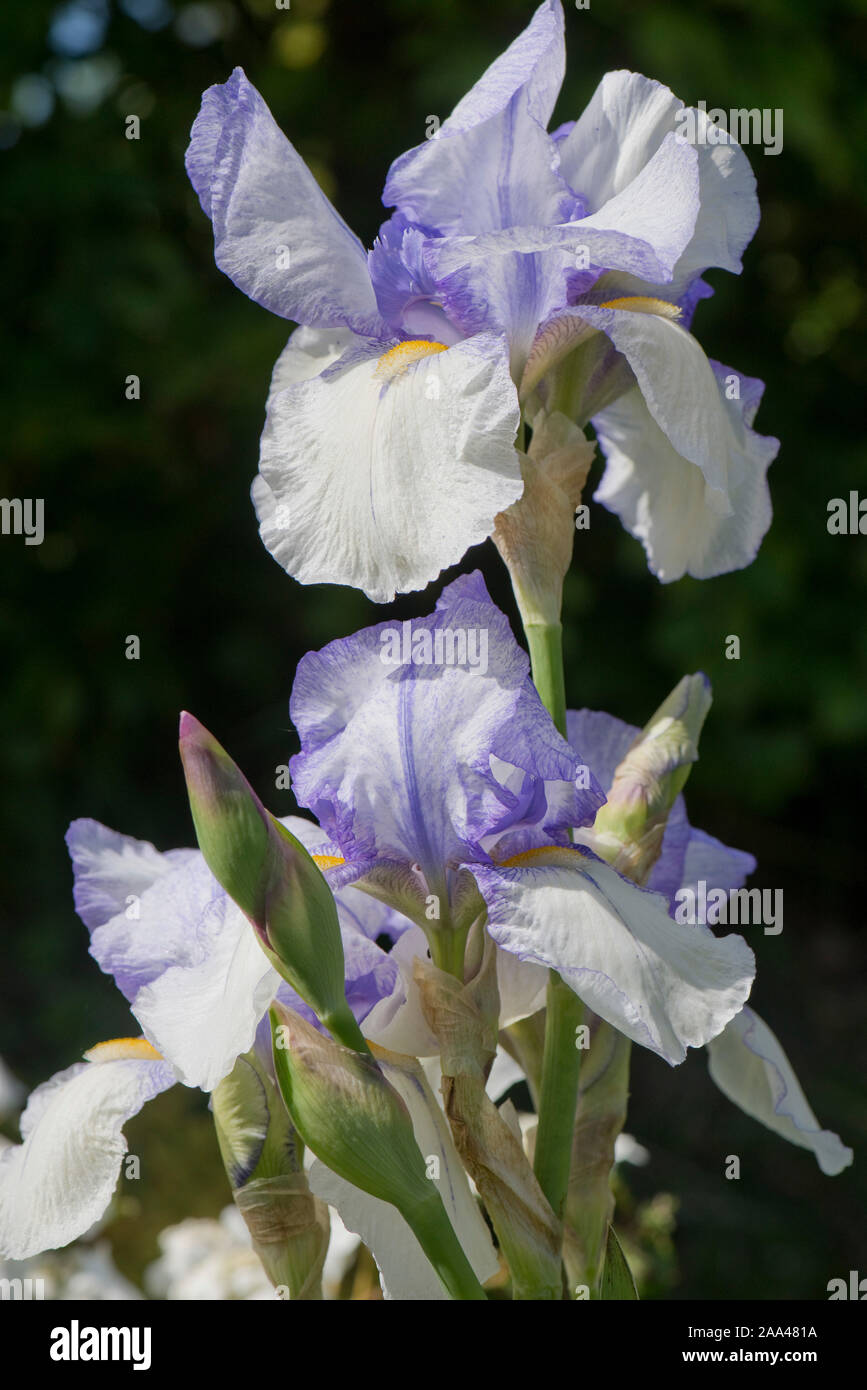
[[199, 986], [454, 789], [512, 254]]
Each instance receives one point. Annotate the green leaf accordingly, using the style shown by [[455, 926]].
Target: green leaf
[[617, 1280]]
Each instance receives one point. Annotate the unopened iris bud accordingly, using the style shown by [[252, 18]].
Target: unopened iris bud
[[353, 1119], [347, 1113], [628, 829], [271, 877], [262, 1155]]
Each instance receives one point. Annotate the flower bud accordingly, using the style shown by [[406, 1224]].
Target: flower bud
[[628, 829], [271, 877], [347, 1113], [262, 1156]]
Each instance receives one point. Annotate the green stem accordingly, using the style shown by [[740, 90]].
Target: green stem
[[448, 947], [435, 1234], [545, 641], [558, 1100], [561, 1060]]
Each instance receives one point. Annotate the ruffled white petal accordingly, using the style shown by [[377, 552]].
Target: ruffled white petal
[[380, 482], [623, 126], [110, 869], [696, 497], [204, 1013], [666, 986], [750, 1067], [60, 1180]]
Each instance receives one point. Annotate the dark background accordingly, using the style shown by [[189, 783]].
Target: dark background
[[108, 270]]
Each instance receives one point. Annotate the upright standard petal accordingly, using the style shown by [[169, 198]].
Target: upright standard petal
[[491, 160], [619, 132], [60, 1179], [693, 491], [665, 986], [750, 1067], [275, 233], [401, 727], [386, 468]]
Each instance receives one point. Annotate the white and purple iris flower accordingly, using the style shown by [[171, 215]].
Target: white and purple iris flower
[[389, 443], [427, 778]]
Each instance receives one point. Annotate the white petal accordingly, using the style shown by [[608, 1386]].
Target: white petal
[[750, 1067], [666, 986], [379, 482], [110, 868], [60, 1180], [623, 126], [203, 1014], [664, 498], [398, 1022]]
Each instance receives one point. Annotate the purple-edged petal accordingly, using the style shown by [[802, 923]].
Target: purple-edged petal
[[619, 132], [685, 472], [188, 960], [386, 468], [491, 161], [111, 869], [642, 230], [60, 1179], [709, 860], [396, 759], [750, 1067], [668, 987], [275, 233]]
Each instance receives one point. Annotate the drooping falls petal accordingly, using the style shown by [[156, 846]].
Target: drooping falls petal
[[625, 123], [750, 1067], [400, 728], [658, 476], [666, 986], [406, 1272], [387, 467], [275, 233], [60, 1179], [186, 957]]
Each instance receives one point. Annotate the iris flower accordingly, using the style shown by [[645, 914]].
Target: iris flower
[[513, 255], [450, 789]]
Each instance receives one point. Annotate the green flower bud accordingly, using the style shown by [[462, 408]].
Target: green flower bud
[[628, 829], [271, 877], [358, 1125], [262, 1155]]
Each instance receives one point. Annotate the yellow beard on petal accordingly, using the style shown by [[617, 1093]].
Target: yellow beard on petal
[[394, 362], [640, 304], [551, 854], [123, 1049], [327, 861]]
